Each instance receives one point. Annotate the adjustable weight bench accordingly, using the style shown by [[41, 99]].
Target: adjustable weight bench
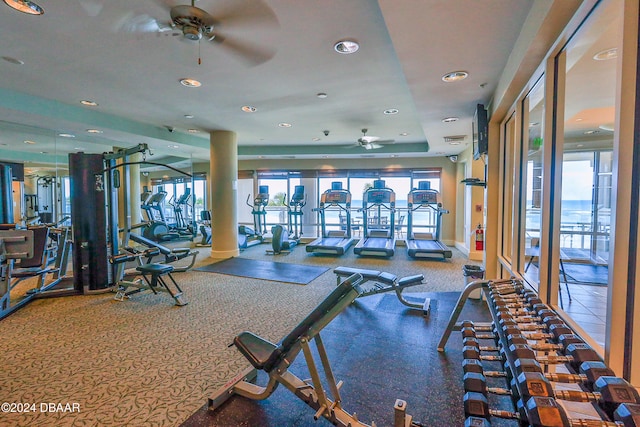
[[155, 283], [170, 255], [275, 360], [387, 282]]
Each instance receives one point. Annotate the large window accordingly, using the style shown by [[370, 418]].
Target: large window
[[532, 181], [282, 183]]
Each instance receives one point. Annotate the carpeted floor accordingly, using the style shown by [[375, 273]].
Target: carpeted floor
[[146, 362]]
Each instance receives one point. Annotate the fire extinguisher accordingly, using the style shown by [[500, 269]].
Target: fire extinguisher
[[479, 238]]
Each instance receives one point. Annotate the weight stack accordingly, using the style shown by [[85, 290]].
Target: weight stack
[[89, 219], [6, 195]]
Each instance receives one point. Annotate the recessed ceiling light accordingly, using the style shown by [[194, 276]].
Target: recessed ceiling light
[[579, 145], [391, 111], [28, 141], [346, 47], [44, 152], [25, 6], [188, 116], [404, 134], [66, 135], [321, 95], [591, 132], [315, 139], [173, 146], [249, 109], [193, 131], [449, 119], [94, 131], [89, 103], [606, 54], [78, 148], [13, 60], [284, 125], [455, 76], [579, 119], [190, 83]]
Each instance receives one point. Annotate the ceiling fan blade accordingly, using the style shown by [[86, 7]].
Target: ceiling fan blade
[[384, 141], [250, 54], [368, 139], [92, 7], [245, 13], [142, 23], [373, 146]]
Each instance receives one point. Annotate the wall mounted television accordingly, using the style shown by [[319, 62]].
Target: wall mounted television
[[480, 132]]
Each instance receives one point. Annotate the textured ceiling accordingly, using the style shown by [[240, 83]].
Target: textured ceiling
[[277, 55]]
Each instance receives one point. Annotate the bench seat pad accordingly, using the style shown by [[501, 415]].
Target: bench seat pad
[[257, 350]]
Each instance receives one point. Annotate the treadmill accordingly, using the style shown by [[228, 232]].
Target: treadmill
[[425, 201], [378, 221], [335, 242]]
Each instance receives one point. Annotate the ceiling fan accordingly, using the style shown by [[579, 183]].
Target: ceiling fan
[[197, 25], [371, 142]]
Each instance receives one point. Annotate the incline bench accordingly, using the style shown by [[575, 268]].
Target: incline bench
[[170, 255], [275, 359], [387, 282]]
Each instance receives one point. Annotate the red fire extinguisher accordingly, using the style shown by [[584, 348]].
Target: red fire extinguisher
[[479, 238]]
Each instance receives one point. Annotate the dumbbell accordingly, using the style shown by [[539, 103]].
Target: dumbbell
[[609, 392], [476, 406], [589, 371], [476, 422], [545, 411]]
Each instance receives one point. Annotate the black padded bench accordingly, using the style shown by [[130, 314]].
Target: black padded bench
[[170, 255], [386, 282]]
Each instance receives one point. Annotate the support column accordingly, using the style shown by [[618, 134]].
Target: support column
[[223, 194]]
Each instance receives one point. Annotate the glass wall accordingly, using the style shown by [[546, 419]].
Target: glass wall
[[555, 227], [532, 146], [587, 142]]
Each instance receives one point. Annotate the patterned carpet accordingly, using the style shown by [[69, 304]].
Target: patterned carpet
[[146, 362]]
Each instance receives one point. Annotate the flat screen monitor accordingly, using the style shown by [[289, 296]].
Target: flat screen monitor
[[480, 132]]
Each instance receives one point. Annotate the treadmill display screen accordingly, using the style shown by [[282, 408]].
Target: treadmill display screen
[[425, 197], [378, 196], [335, 197]]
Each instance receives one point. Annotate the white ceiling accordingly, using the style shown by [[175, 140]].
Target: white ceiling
[[96, 50]]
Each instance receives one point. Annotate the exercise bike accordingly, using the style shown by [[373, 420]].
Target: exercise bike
[[205, 228]]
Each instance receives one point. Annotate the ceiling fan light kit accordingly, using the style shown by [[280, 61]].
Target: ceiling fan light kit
[[25, 6]]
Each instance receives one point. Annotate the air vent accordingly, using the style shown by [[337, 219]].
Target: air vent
[[455, 138]]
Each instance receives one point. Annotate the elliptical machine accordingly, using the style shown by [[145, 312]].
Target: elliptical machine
[[248, 236], [157, 229], [182, 227], [282, 239]]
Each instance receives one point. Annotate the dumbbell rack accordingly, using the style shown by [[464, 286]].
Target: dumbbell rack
[[528, 340]]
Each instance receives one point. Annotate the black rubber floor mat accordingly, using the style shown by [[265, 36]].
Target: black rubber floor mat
[[265, 270]]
